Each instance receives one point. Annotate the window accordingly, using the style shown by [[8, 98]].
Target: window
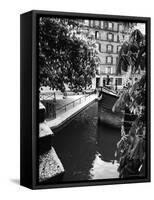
[[119, 81], [120, 27], [97, 46], [109, 59], [98, 70], [117, 60], [108, 70], [96, 23], [109, 48], [118, 49], [110, 25], [111, 81], [96, 35], [91, 23], [105, 25], [101, 47], [101, 24], [113, 69], [110, 36], [101, 36], [86, 22]]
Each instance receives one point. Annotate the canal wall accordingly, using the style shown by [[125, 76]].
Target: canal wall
[[50, 166], [65, 118]]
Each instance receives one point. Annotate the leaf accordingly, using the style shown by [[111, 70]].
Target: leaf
[[132, 53], [121, 103]]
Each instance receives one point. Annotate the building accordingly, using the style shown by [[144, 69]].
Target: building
[[109, 36]]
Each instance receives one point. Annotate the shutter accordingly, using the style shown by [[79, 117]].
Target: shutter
[[107, 48], [111, 60], [99, 47], [105, 25]]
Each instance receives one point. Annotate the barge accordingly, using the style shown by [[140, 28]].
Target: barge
[[106, 101]]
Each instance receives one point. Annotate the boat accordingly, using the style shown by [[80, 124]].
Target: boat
[[105, 105]]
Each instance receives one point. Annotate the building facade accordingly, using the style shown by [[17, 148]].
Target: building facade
[[109, 36]]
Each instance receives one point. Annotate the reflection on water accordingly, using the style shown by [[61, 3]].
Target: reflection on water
[[87, 148], [103, 170]]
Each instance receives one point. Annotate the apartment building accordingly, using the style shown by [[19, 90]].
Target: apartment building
[[109, 36]]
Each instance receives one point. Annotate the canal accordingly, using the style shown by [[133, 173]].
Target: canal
[[86, 148]]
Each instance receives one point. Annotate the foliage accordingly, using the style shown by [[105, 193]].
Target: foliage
[[132, 53], [131, 147], [64, 56]]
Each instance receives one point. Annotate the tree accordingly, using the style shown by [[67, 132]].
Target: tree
[[131, 147], [65, 56], [132, 54]]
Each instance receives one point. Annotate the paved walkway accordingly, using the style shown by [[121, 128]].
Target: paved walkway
[[65, 116]]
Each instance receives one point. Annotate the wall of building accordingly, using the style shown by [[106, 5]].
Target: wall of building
[[109, 37]]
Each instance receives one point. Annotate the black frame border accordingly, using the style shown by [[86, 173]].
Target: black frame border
[[29, 73]]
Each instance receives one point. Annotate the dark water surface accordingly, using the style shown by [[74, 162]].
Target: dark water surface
[[86, 148]]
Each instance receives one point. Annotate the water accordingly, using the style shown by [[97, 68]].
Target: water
[[87, 148]]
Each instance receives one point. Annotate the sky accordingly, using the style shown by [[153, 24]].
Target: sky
[[141, 27]]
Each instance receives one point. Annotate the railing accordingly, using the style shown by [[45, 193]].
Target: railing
[[49, 101], [52, 95], [72, 104]]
